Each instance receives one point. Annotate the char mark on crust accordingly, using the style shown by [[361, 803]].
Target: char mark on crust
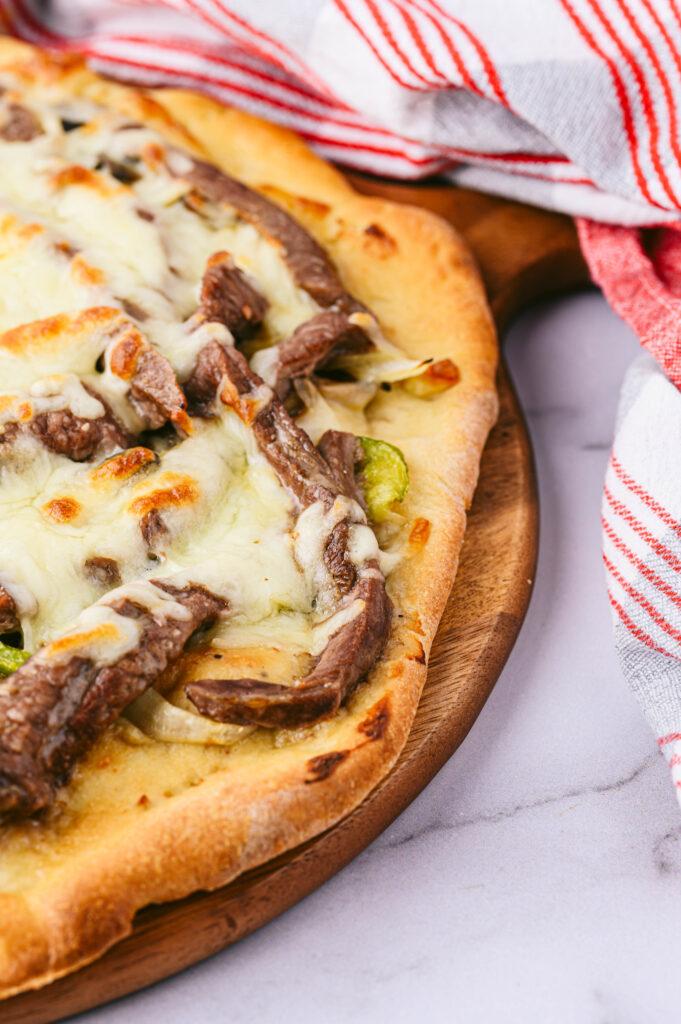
[[310, 267], [346, 659], [21, 124], [63, 432], [53, 708], [9, 620], [312, 344], [229, 298], [354, 647], [343, 451]]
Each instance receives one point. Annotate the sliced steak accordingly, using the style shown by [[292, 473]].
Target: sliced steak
[[311, 345], [228, 297], [310, 267], [343, 451], [64, 433], [357, 643], [54, 707], [154, 393], [9, 618], [21, 124], [348, 656]]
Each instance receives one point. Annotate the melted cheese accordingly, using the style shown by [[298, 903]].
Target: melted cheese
[[73, 238]]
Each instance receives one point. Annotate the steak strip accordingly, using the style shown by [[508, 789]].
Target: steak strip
[[53, 708], [343, 451], [228, 297], [21, 124], [310, 267], [154, 394], [64, 432], [79, 439], [354, 647], [9, 619], [310, 346]]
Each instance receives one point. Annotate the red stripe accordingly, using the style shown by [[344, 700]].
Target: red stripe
[[485, 59], [672, 737], [664, 79], [647, 499], [623, 99], [643, 602], [256, 33], [648, 106], [634, 629], [386, 32], [452, 50], [674, 761], [342, 7], [623, 512], [216, 57], [639, 564], [413, 30]]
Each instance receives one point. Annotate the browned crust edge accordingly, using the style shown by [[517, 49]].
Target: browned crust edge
[[209, 835]]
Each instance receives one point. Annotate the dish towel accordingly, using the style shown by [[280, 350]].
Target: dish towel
[[574, 105]]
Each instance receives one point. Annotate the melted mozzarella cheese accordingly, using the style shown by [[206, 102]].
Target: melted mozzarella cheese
[[73, 237]]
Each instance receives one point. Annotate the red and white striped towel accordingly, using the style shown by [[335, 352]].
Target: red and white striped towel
[[573, 105]]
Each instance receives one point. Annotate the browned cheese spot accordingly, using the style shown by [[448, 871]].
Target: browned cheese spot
[[84, 274], [420, 532], [126, 353], [82, 176], [153, 156], [324, 765], [375, 724], [62, 510], [121, 467], [183, 493]]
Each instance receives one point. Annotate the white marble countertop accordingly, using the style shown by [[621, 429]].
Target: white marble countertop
[[536, 879]]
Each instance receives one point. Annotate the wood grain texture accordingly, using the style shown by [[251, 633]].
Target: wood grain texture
[[524, 254]]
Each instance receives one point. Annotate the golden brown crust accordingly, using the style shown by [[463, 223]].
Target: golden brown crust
[[416, 275]]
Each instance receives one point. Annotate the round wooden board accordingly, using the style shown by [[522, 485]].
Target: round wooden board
[[523, 253]]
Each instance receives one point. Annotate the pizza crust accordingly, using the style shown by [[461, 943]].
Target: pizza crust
[[416, 275]]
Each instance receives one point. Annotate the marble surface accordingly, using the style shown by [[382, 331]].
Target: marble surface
[[536, 879]]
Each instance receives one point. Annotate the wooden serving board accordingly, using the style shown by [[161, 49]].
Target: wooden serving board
[[523, 254]]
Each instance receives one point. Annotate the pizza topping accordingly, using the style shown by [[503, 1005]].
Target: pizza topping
[[228, 297], [154, 392], [65, 416], [79, 439], [20, 124], [9, 619], [348, 656], [103, 571], [384, 476], [161, 720], [343, 451], [55, 705], [438, 377], [11, 658], [308, 348], [309, 265], [333, 546]]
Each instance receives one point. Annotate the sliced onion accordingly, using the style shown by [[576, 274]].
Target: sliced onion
[[157, 718]]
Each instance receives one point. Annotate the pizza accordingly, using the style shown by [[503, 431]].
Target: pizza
[[242, 409]]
